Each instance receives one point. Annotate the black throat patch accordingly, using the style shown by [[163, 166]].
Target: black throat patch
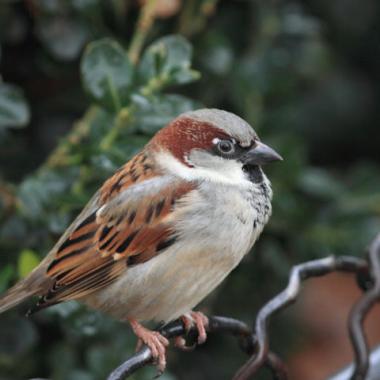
[[254, 173]]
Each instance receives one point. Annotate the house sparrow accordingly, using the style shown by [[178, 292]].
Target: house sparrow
[[164, 230]]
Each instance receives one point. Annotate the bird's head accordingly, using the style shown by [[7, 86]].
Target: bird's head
[[214, 143]]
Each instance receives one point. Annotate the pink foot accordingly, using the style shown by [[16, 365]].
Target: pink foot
[[180, 343], [200, 321], [154, 340]]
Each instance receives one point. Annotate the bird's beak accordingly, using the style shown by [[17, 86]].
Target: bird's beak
[[260, 154]]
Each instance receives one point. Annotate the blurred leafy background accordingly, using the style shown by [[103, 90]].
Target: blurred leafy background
[[85, 83]]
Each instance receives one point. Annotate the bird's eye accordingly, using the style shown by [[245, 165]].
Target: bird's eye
[[226, 146]]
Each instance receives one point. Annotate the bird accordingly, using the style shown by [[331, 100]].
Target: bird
[[164, 230]]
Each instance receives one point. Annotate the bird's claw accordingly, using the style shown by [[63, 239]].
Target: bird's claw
[[158, 343], [180, 343], [155, 341], [200, 321]]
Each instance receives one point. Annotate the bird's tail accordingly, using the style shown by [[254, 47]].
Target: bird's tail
[[32, 285], [15, 295]]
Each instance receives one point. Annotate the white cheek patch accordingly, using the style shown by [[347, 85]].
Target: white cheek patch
[[216, 170]]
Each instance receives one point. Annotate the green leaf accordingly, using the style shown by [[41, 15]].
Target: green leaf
[[107, 73], [321, 184], [63, 36], [39, 194], [27, 261], [154, 112], [14, 110], [6, 274], [166, 62]]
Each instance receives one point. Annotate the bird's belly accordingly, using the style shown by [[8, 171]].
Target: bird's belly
[[165, 287]]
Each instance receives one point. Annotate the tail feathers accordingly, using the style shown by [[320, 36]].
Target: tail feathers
[[19, 293]]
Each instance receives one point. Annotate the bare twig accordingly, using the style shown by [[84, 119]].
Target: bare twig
[[195, 15], [144, 23]]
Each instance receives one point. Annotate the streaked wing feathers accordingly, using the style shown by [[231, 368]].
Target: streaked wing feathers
[[130, 225]]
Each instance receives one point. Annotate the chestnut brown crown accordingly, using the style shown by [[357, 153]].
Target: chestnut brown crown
[[200, 130]]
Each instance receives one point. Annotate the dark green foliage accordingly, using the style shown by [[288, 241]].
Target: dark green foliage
[[166, 62], [305, 75], [14, 111], [107, 74]]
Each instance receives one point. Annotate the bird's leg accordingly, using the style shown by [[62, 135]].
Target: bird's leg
[[200, 321], [154, 340]]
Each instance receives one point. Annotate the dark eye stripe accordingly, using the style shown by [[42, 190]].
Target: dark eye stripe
[[236, 153]]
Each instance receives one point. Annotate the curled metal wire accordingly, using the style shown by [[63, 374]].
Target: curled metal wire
[[256, 342], [298, 274], [373, 373], [360, 311], [216, 325]]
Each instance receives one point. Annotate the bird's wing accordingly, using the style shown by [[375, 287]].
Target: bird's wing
[[127, 224]]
